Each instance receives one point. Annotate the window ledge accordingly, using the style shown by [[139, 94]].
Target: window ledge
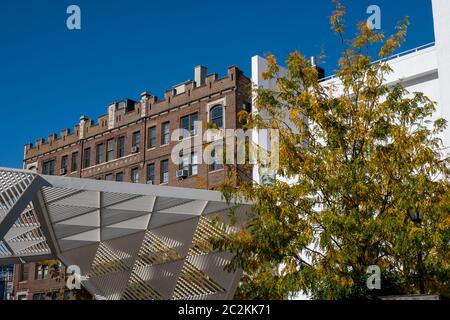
[[188, 138], [191, 176], [109, 162], [215, 171]]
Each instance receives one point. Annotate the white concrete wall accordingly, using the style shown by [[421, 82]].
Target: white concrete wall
[[441, 13], [259, 65], [415, 70]]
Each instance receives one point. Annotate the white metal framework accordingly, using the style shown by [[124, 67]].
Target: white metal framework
[[130, 241]]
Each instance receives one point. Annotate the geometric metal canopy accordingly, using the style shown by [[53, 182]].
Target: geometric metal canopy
[[130, 241]]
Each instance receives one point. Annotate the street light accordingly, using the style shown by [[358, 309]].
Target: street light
[[416, 216]]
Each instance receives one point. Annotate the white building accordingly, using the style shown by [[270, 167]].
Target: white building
[[424, 69]]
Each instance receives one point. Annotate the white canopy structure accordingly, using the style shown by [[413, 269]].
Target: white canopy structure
[[130, 241]]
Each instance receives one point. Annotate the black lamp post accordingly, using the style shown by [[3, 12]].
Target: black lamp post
[[416, 216]]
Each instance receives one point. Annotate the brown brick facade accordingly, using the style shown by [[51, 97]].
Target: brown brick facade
[[127, 117]]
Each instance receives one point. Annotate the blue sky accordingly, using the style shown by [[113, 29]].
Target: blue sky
[[49, 76]]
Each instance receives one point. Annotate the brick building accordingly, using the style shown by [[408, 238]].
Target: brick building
[[133, 143]]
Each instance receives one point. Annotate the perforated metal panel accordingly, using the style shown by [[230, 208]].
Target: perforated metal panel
[[130, 241]]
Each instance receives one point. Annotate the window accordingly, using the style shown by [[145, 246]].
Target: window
[[194, 164], [190, 163], [99, 153], [136, 140], [40, 296], [49, 168], [74, 165], [64, 164], [247, 106], [135, 175], [69, 295], [110, 150], [216, 161], [151, 173], [165, 171], [24, 272], [87, 158], [151, 137], [109, 177], [188, 124], [119, 177], [165, 133], [216, 116], [41, 272], [121, 147]]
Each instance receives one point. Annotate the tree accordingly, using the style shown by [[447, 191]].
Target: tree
[[358, 156]]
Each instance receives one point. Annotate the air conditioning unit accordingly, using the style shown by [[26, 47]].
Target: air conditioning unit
[[181, 174], [63, 171], [150, 182], [135, 149]]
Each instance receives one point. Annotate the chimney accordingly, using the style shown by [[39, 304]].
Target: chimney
[[145, 95], [83, 122], [200, 75], [145, 102], [320, 70]]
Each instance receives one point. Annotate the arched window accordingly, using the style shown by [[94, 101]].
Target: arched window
[[216, 116]]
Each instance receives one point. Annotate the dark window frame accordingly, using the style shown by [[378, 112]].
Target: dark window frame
[[163, 166], [215, 166], [100, 153], [151, 176], [87, 158], [165, 136], [136, 140], [119, 174], [110, 150], [191, 119], [190, 165], [133, 171], [48, 167], [41, 271], [64, 162], [213, 118], [74, 162], [121, 147], [24, 272], [152, 137]]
